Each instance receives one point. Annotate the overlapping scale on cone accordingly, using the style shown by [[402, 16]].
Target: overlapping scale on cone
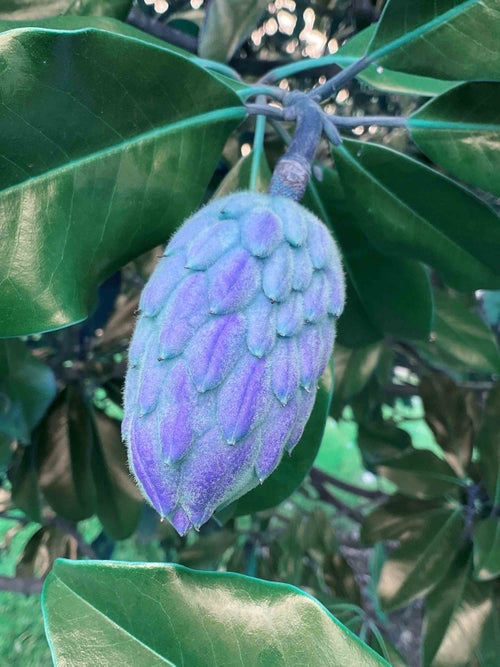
[[235, 327]]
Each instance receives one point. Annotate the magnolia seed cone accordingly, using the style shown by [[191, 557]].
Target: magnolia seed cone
[[236, 326]]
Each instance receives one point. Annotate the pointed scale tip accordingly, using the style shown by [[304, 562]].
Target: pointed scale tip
[[180, 521]]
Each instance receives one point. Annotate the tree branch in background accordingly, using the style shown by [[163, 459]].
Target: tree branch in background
[[29, 586]]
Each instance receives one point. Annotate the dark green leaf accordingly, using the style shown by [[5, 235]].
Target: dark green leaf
[[452, 414], [227, 24], [420, 474], [27, 388], [151, 615], [456, 613], [445, 228], [387, 288], [461, 342], [105, 23], [487, 549], [460, 131], [42, 549], [421, 561], [442, 603], [386, 648], [487, 654], [378, 440], [22, 10], [382, 78], [23, 477], [445, 39], [239, 176], [355, 330], [353, 369], [401, 517], [64, 449], [488, 444], [118, 501], [291, 471], [92, 179]]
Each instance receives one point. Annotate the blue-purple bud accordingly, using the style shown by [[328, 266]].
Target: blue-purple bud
[[236, 326]]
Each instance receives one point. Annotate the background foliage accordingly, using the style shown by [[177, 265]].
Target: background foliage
[[117, 122]]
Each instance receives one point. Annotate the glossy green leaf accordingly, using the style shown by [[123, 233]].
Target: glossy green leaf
[[420, 474], [452, 414], [118, 501], [445, 229], [461, 342], [488, 445], [92, 180], [487, 549], [27, 388], [291, 471], [109, 24], [226, 26], [460, 131], [105, 23], [421, 561], [387, 288], [151, 615], [400, 517], [23, 10], [64, 449], [383, 78], [456, 612], [446, 39]]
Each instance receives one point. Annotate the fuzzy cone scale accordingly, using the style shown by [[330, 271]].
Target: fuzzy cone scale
[[236, 326]]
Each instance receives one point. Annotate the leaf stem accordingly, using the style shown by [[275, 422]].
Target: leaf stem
[[323, 92], [258, 146], [355, 121], [220, 68], [270, 91], [265, 110]]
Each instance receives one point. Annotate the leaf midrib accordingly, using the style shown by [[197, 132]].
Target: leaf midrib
[[453, 126], [394, 197], [419, 31], [227, 113], [115, 625]]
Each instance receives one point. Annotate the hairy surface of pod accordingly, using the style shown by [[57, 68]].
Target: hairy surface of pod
[[235, 327]]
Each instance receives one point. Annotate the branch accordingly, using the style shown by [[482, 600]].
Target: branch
[[26, 586], [149, 24], [323, 478]]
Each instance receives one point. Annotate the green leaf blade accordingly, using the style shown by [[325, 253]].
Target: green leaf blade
[[439, 39], [441, 229], [146, 614], [227, 24], [421, 561], [383, 78], [460, 131], [104, 176]]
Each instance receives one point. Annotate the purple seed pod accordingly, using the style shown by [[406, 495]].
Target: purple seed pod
[[236, 326]]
